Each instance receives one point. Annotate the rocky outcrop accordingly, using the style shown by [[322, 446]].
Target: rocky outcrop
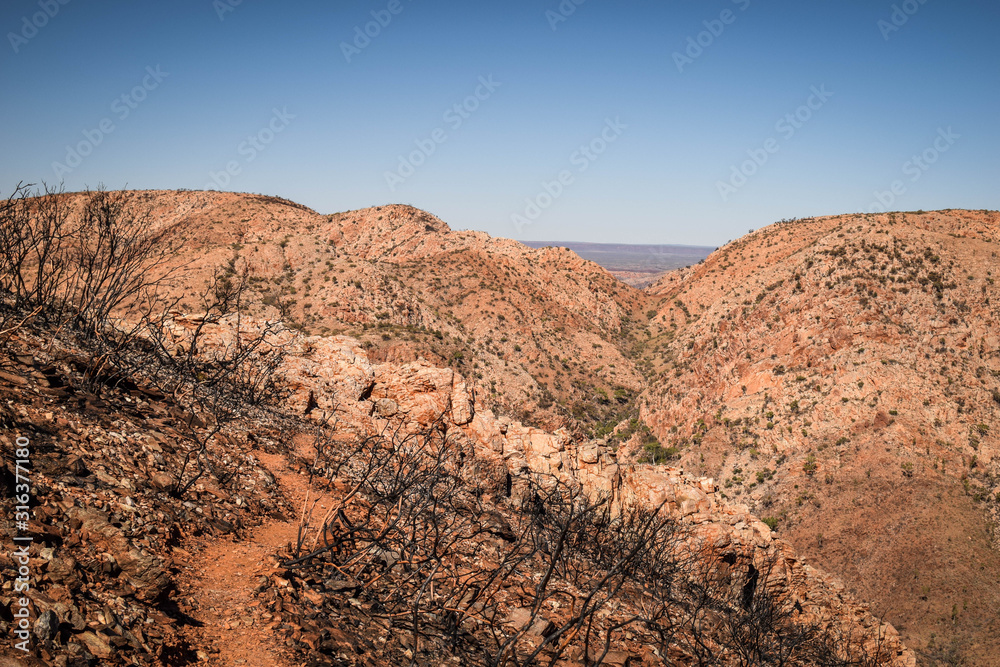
[[417, 394], [718, 530]]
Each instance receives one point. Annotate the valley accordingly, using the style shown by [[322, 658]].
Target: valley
[[823, 392]]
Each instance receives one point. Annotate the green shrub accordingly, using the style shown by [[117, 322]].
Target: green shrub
[[809, 467], [655, 453]]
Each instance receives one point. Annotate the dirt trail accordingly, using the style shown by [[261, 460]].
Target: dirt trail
[[222, 575]]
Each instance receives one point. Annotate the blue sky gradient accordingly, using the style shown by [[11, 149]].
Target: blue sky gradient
[[325, 132]]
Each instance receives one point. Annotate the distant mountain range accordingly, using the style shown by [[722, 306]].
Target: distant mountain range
[[623, 257]]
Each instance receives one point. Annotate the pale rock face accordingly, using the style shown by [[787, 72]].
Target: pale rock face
[[691, 500], [589, 454], [335, 369], [462, 402], [386, 408], [420, 390], [486, 429]]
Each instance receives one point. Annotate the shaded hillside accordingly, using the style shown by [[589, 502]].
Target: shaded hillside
[[842, 376]]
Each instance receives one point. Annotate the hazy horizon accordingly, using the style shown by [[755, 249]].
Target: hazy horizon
[[686, 124]]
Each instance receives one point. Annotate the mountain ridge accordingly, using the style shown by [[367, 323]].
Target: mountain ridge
[[780, 371]]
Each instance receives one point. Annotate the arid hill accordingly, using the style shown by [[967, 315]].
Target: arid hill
[[842, 375], [218, 488], [542, 333], [835, 379]]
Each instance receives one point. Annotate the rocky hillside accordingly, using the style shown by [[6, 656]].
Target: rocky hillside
[[541, 333], [821, 389], [842, 376], [219, 488], [143, 555]]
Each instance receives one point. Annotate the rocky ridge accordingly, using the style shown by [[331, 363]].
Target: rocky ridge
[[783, 368], [538, 331], [333, 376]]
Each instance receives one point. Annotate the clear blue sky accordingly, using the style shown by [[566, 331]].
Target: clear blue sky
[[672, 134]]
